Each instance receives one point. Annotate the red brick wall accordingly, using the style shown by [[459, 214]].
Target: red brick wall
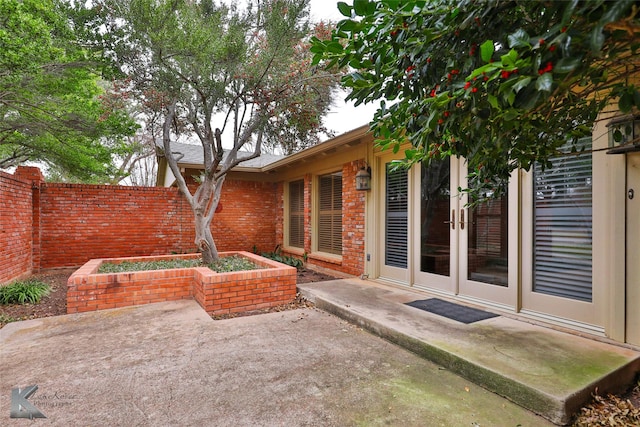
[[82, 222], [15, 228], [57, 225], [353, 202], [246, 217]]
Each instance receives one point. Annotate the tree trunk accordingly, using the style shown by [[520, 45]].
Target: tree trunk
[[204, 239]]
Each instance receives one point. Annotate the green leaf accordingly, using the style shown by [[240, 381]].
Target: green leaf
[[493, 101], [346, 25], [597, 38], [570, 7], [486, 50], [344, 9], [518, 39], [522, 83], [509, 60], [626, 102], [545, 82], [615, 11], [360, 7], [409, 154], [335, 47], [566, 65]]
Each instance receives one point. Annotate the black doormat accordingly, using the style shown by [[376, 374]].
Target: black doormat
[[452, 311]]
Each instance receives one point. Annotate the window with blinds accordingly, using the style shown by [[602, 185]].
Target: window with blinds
[[396, 209], [330, 214], [563, 227], [296, 214]]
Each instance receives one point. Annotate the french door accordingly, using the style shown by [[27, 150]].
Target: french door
[[464, 249], [432, 238], [632, 249]]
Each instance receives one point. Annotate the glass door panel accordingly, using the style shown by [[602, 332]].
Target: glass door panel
[[394, 224], [488, 242], [435, 218], [396, 216], [488, 252], [435, 247]]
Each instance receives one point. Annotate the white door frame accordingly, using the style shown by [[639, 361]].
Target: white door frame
[[632, 327]]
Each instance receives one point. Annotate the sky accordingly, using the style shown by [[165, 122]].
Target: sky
[[344, 116]]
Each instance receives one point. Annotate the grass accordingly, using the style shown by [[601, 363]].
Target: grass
[[4, 319], [24, 292], [223, 265]]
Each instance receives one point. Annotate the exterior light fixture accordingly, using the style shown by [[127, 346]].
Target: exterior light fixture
[[624, 134], [363, 179]]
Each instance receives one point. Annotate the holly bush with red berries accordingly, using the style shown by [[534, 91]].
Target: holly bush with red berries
[[502, 84]]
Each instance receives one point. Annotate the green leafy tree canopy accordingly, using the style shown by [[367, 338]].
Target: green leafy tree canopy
[[51, 108], [502, 84]]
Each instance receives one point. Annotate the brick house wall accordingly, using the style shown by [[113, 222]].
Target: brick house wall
[[353, 224], [353, 219]]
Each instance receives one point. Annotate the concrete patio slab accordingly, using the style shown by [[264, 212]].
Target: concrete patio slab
[[171, 364], [547, 371]]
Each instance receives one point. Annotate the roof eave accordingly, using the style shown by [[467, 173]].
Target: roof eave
[[353, 135]]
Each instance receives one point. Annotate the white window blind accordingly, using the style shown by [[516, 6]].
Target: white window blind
[[563, 227], [296, 214], [330, 214], [396, 208]]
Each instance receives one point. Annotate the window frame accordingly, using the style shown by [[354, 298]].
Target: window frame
[[289, 214], [318, 215]]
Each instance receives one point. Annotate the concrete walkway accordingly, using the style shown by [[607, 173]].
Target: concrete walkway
[[170, 364], [549, 372]]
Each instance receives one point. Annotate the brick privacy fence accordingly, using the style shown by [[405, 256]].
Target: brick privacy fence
[[53, 225], [16, 219]]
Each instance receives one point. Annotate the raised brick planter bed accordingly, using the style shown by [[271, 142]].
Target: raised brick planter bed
[[217, 293]]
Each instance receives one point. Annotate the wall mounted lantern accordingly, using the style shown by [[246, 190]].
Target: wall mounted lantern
[[363, 179], [624, 134]]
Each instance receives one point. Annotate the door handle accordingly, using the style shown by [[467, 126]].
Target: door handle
[[453, 219], [461, 219]]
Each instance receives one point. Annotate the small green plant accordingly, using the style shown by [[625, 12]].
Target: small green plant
[[223, 265], [148, 265], [277, 255], [24, 292], [233, 263], [4, 319]]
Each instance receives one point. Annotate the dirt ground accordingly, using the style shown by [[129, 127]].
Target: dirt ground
[[620, 411]]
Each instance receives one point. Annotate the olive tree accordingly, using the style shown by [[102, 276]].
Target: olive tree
[[239, 80]]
